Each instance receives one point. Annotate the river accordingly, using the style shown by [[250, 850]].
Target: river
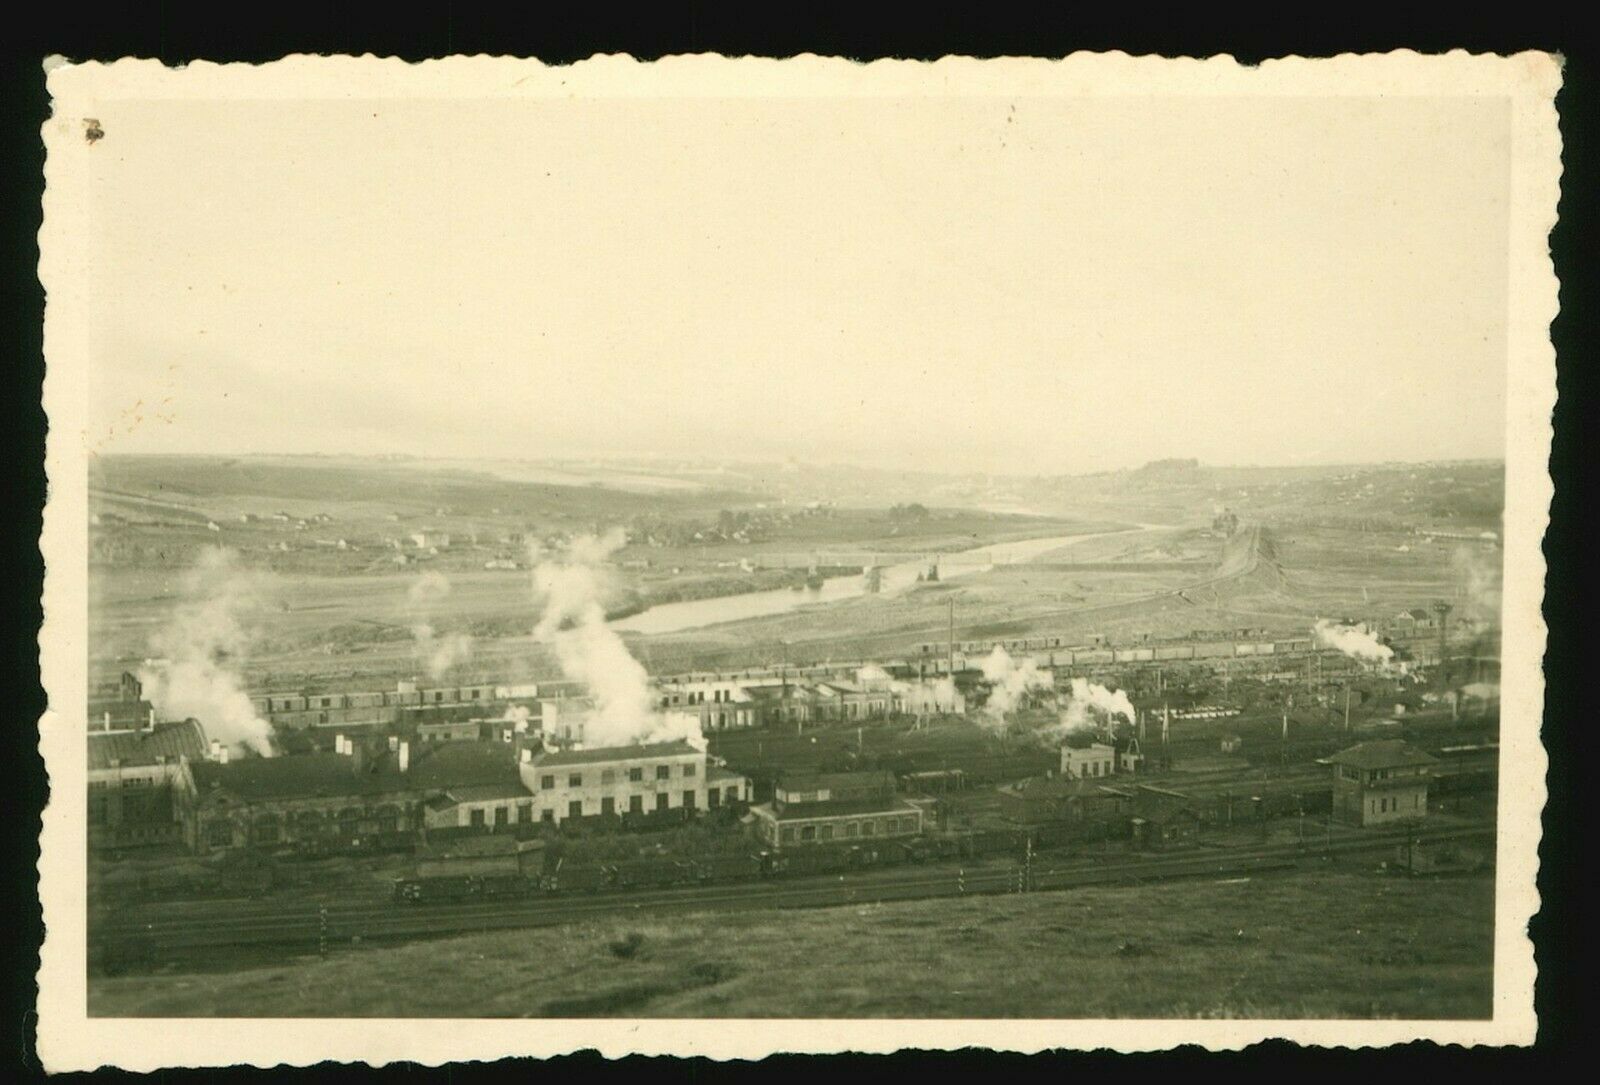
[[693, 614]]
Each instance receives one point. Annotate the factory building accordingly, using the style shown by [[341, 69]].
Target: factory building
[[140, 784], [845, 807], [121, 708], [720, 706], [364, 790], [778, 703], [1375, 783], [840, 700], [619, 780]]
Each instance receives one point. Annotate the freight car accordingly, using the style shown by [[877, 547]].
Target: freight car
[[649, 873]]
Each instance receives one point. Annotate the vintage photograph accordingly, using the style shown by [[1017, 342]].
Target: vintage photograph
[[869, 543]]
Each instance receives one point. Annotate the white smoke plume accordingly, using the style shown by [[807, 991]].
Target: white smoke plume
[[1087, 699], [1355, 641], [920, 698], [1482, 691], [196, 676], [571, 587], [518, 716], [1477, 573], [1010, 682], [872, 673], [437, 654]]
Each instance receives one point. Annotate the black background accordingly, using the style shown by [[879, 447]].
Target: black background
[[561, 34]]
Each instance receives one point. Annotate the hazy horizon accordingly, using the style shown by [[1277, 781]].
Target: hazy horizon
[[962, 286]]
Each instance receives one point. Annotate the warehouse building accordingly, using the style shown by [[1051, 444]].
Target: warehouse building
[[844, 807], [1043, 799]]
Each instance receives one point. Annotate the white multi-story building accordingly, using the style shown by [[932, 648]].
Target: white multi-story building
[[1088, 762], [619, 780]]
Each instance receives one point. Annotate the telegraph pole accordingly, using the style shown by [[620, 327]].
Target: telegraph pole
[[952, 638]]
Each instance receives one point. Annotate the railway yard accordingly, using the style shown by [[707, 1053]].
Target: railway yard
[[1127, 711]]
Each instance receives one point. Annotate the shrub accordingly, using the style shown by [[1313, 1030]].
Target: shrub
[[627, 948]]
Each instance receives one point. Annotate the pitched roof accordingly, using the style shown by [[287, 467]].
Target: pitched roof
[[1166, 812], [488, 792], [828, 781], [451, 764], [1063, 787], [1387, 753], [169, 740], [858, 807], [597, 754]]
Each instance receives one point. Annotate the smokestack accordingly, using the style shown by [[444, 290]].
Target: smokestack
[[107, 726], [405, 756]]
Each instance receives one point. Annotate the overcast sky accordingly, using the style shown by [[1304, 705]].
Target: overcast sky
[[1034, 286]]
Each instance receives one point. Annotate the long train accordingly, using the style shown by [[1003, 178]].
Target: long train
[[1066, 651]]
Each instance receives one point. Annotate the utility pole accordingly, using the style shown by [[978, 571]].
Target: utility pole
[[1347, 705], [952, 638]]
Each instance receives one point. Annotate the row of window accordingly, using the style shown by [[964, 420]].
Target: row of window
[[849, 830], [1390, 806], [608, 807], [577, 809], [609, 776]]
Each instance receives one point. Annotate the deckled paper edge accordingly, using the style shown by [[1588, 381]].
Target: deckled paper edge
[[69, 1040]]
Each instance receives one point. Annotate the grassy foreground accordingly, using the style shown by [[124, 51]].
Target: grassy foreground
[[1333, 944]]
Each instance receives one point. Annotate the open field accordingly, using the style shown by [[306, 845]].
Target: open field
[[1345, 541], [1340, 943]]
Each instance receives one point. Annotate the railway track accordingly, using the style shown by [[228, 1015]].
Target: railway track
[[166, 932]]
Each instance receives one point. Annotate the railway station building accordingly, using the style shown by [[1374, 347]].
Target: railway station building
[[640, 779], [1379, 782]]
